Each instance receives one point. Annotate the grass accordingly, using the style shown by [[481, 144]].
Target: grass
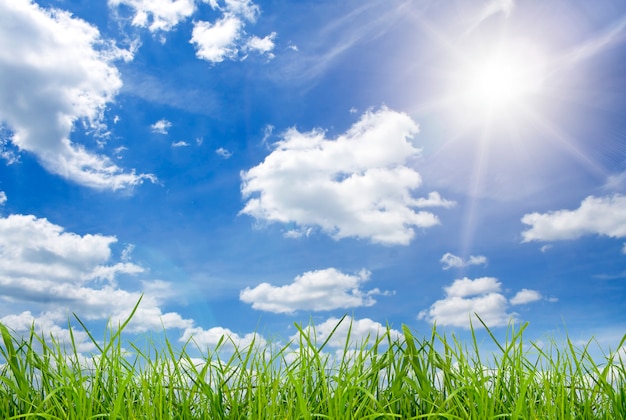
[[386, 377]]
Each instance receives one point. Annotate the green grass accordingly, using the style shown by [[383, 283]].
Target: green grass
[[386, 377]]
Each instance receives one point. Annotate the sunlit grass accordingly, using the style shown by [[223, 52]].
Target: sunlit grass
[[384, 377]]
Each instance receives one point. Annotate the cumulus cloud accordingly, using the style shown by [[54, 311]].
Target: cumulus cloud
[[157, 15], [357, 185], [3, 198], [229, 340], [321, 290], [215, 42], [42, 265], [605, 216], [180, 143], [226, 39], [358, 329], [161, 126], [450, 260], [525, 296], [46, 326], [53, 273], [55, 70], [466, 298], [262, 45]]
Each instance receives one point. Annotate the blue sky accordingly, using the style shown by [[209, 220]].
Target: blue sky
[[247, 165]]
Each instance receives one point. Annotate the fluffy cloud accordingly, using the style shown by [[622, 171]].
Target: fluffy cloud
[[157, 15], [321, 290], [161, 126], [596, 215], [43, 266], [3, 198], [450, 260], [525, 296], [55, 70], [358, 329], [211, 337], [45, 326], [357, 185], [466, 298], [215, 42], [262, 45], [225, 39]]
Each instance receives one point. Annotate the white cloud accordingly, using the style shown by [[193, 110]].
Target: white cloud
[[226, 39], [161, 126], [357, 185], [180, 143], [624, 249], [601, 216], [244, 8], [211, 337], [262, 45], [465, 298], [158, 15], [525, 296], [359, 330], [450, 260], [55, 70], [45, 326], [3, 198], [216, 42], [466, 287], [43, 266], [224, 153], [321, 290]]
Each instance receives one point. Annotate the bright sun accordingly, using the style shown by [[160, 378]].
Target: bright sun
[[498, 80]]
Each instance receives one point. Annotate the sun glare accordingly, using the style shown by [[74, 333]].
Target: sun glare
[[500, 79]]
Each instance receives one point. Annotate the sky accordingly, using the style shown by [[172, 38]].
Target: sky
[[243, 166]]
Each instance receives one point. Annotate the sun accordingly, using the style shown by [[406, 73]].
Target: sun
[[502, 78]]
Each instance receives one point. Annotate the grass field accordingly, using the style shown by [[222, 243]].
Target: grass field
[[386, 377]]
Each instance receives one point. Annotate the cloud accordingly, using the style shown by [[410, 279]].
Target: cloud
[[604, 216], [226, 39], [262, 45], [525, 296], [321, 290], [43, 266], [3, 198], [161, 126], [466, 298], [161, 15], [45, 325], [180, 143], [357, 185], [359, 330], [545, 248], [216, 42], [616, 182], [450, 260], [55, 71], [230, 340], [224, 153]]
